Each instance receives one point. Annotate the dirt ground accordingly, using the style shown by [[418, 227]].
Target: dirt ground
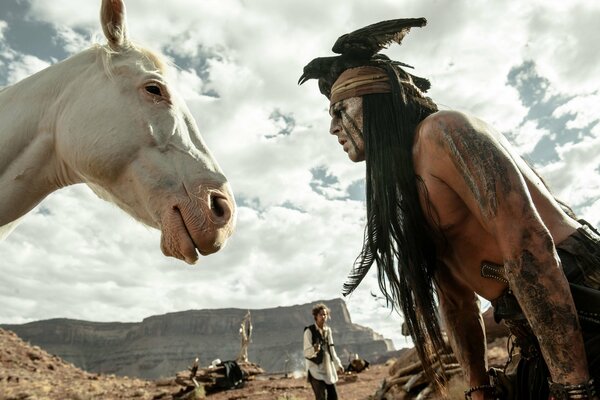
[[350, 387], [29, 373]]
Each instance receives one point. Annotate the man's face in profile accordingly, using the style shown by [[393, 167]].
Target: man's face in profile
[[347, 125]]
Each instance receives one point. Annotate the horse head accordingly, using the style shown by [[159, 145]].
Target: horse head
[[123, 130]]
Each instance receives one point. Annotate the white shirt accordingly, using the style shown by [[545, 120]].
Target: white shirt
[[327, 370]]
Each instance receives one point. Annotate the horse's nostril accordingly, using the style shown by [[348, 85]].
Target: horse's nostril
[[220, 207], [216, 208]]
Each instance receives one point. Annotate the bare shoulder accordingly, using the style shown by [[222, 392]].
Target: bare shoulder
[[451, 136], [450, 123], [446, 116]]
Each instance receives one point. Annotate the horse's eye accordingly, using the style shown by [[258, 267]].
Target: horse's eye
[[153, 89]]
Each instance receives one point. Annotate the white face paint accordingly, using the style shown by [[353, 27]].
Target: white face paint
[[347, 125]]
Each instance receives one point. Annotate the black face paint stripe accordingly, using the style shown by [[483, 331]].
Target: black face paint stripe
[[352, 121], [354, 127]]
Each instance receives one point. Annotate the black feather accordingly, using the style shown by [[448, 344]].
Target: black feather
[[367, 41], [360, 48]]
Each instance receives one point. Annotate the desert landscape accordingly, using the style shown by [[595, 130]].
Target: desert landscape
[[28, 372], [299, 202]]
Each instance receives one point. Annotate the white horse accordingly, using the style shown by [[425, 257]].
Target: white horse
[[108, 118]]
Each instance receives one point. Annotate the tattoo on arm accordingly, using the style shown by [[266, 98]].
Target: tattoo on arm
[[550, 312], [481, 164], [533, 270]]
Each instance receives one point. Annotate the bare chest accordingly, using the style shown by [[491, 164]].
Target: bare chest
[[462, 243]]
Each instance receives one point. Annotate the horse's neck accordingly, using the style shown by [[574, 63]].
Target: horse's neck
[[29, 169]]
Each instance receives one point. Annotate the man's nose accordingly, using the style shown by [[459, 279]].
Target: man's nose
[[334, 128]]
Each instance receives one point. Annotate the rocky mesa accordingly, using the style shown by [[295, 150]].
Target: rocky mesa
[[160, 345]]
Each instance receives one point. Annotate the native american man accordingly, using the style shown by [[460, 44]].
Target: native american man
[[453, 212]]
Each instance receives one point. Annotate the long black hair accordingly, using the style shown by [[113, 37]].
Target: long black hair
[[397, 237]]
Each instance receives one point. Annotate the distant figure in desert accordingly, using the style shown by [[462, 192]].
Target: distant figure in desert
[[108, 117], [454, 212], [245, 337], [322, 362]]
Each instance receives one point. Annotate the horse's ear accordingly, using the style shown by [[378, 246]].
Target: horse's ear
[[114, 24]]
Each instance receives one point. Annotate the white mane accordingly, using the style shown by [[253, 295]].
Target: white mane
[[154, 61]]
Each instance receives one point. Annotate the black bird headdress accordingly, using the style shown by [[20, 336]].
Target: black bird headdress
[[360, 48]]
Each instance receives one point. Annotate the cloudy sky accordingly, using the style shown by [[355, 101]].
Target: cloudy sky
[[532, 70]]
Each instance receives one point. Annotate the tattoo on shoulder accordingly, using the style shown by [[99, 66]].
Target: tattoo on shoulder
[[481, 163]]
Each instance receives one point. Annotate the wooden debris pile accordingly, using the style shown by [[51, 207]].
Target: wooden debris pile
[[210, 380], [410, 381], [407, 380], [220, 375]]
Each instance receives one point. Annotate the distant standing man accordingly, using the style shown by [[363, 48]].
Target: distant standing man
[[322, 361]]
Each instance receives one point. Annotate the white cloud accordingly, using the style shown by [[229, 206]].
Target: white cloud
[[78, 257], [3, 26], [583, 108], [527, 136], [575, 177], [22, 67], [563, 36], [592, 213], [72, 41]]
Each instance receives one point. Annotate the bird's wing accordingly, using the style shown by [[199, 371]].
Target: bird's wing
[[371, 39]]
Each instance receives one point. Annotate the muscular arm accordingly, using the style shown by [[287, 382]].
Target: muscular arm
[[459, 309], [482, 172]]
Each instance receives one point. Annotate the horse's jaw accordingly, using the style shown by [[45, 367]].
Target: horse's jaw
[[191, 223], [187, 232]]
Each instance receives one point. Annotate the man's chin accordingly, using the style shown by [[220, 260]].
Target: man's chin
[[356, 157]]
